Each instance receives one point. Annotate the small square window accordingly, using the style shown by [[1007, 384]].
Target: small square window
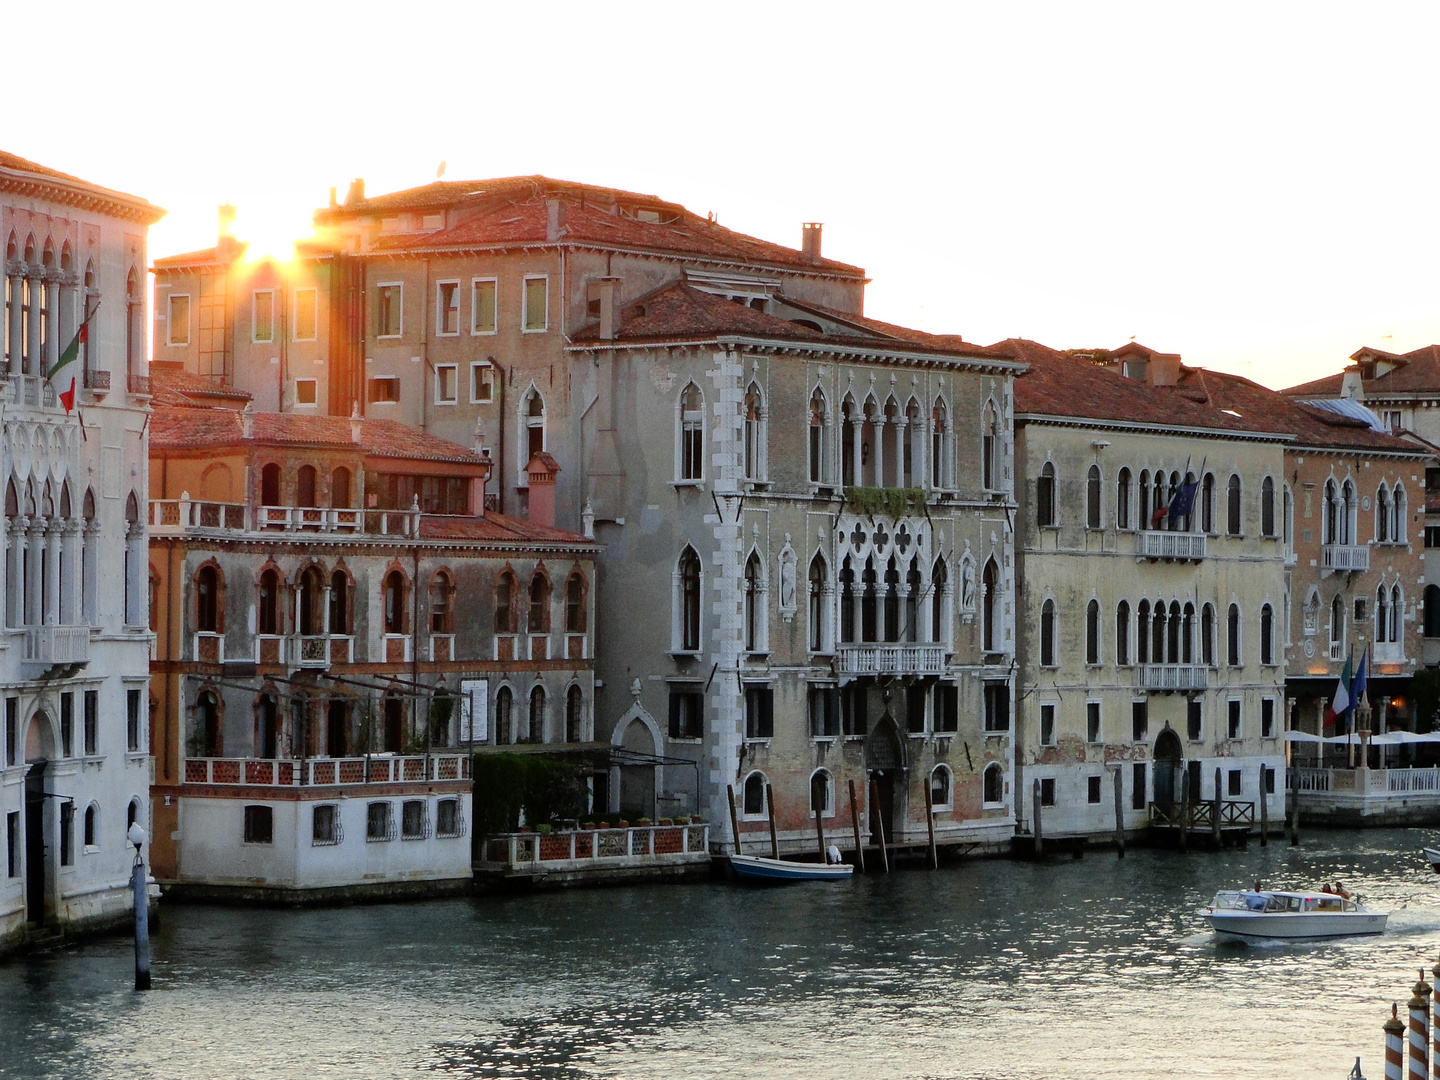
[[997, 706], [687, 712], [132, 720], [1234, 782], [1232, 729], [1047, 792], [1359, 609], [1193, 717], [388, 311], [262, 326], [537, 298], [1047, 725], [414, 822], [448, 821], [447, 307], [447, 380], [824, 712], [1269, 779], [259, 825], [1092, 721], [379, 822], [384, 390], [482, 306], [305, 314], [179, 327], [482, 383], [325, 825], [305, 391], [1093, 792], [759, 712], [947, 707]]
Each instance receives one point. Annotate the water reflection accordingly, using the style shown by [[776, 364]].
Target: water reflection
[[997, 970]]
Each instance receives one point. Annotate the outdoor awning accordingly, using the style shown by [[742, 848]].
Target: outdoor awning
[[1388, 738]]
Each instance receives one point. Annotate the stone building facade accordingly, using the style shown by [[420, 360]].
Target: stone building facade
[[1151, 649], [74, 745], [339, 625]]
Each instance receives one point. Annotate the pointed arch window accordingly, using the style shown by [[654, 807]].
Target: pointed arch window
[[1382, 515], [539, 617], [1382, 615], [849, 440], [911, 454], [1232, 506], [939, 584], [506, 588], [1232, 636], [442, 618], [1207, 504], [819, 420], [1267, 507], [207, 600], [574, 715], [268, 621], [1047, 634], [504, 716], [754, 613], [394, 606], [537, 715], [1092, 498], [688, 587], [754, 433], [990, 447], [1122, 499], [576, 616], [847, 602], [990, 620], [1122, 634], [690, 434], [1045, 495], [815, 608], [1267, 634], [1207, 635], [1399, 530], [1092, 632], [339, 603], [1337, 627]]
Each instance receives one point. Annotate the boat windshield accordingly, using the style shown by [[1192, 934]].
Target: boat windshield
[[1275, 903]]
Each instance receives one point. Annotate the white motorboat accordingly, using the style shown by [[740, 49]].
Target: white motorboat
[[1432, 856], [1251, 914]]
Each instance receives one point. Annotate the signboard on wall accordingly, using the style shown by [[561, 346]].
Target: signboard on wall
[[474, 711]]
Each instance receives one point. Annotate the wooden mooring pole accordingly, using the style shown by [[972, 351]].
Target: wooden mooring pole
[[1035, 823], [734, 820], [774, 836], [879, 823], [1294, 808], [820, 833], [1264, 810], [930, 824], [1215, 824], [1119, 817], [855, 823], [1184, 809]]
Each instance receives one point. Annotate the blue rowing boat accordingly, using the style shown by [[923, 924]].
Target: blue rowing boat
[[759, 869]]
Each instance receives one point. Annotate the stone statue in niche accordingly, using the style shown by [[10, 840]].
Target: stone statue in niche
[[967, 582], [787, 581]]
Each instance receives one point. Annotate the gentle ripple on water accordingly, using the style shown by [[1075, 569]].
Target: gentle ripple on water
[[992, 970]]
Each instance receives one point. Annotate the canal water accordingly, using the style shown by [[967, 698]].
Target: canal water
[[1089, 968]]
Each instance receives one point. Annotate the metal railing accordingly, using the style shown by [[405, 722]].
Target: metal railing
[[139, 384], [1172, 677], [1345, 557], [1170, 545], [327, 772], [874, 658], [177, 516]]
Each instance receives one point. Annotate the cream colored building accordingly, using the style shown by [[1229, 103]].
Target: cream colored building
[[1151, 650]]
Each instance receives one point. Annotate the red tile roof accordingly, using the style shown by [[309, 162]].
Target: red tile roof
[[513, 210], [183, 427], [498, 528], [1415, 372], [172, 385], [133, 205], [681, 312]]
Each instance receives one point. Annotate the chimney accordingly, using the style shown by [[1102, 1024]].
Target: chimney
[[333, 202], [810, 240], [542, 470], [1351, 384], [226, 215], [603, 299], [554, 219], [355, 423], [247, 420], [356, 194], [1163, 369]]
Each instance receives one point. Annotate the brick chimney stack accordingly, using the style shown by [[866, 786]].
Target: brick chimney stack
[[356, 194], [810, 240], [605, 293], [542, 470]]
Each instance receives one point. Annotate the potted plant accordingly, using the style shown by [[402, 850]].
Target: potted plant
[[545, 829]]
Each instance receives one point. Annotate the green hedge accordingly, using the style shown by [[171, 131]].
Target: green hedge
[[545, 788], [893, 503]]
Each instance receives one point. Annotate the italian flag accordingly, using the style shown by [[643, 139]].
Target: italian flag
[[1340, 703], [71, 353]]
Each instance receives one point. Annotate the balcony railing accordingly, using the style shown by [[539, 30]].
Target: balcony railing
[[97, 380], [1348, 787], [1172, 677], [892, 659], [170, 517], [577, 849], [327, 772], [319, 650], [1155, 544], [139, 384], [1345, 557], [50, 645], [31, 390]]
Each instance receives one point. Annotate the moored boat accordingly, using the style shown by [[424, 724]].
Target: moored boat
[[1264, 914], [761, 869], [1432, 856]]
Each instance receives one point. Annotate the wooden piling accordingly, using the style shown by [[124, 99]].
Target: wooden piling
[[1394, 1046], [1294, 808], [820, 833], [1419, 1029], [879, 823], [774, 836], [1215, 824], [1184, 809], [930, 824], [1119, 817], [734, 820], [1264, 811], [1434, 1027], [1035, 826], [855, 823]]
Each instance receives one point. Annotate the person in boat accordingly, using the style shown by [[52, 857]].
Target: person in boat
[[1341, 892], [832, 855]]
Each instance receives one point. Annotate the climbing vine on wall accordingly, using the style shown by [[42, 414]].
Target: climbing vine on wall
[[888, 502], [544, 788]]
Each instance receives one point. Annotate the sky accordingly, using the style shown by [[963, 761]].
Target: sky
[[1249, 185]]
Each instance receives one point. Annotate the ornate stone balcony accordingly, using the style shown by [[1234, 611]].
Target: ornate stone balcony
[[889, 658], [48, 646], [1345, 558], [1172, 678], [1178, 546]]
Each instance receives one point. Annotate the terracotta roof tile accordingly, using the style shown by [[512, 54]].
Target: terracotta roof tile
[[513, 210], [1417, 371], [17, 164], [171, 384], [499, 528]]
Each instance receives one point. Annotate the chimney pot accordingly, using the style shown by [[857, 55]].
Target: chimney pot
[[356, 194], [606, 293], [810, 240], [226, 215], [554, 219], [333, 202]]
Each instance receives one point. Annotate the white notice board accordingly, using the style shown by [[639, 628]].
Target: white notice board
[[474, 711]]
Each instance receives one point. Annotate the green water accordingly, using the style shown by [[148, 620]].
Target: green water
[[1071, 968]]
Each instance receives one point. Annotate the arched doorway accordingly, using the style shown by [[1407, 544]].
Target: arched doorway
[[1168, 753], [885, 763], [39, 749], [637, 781]]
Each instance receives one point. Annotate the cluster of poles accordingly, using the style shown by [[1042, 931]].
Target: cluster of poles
[[859, 851], [1417, 1043]]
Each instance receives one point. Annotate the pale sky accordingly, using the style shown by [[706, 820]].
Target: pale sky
[[1250, 185]]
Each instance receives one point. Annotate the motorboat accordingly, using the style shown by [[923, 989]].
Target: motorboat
[[1432, 856], [754, 867], [1264, 914]]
